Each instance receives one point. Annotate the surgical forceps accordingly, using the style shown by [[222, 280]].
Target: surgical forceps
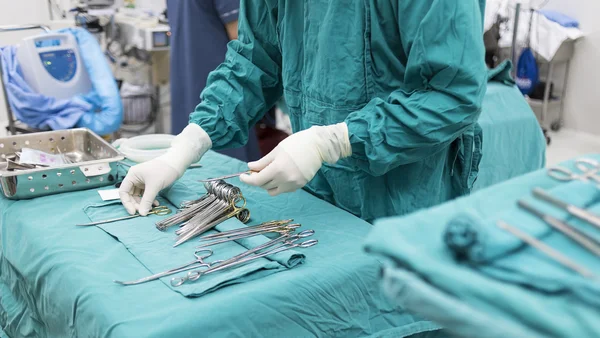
[[547, 250], [159, 211], [589, 171], [280, 244], [197, 263], [228, 176], [286, 229]]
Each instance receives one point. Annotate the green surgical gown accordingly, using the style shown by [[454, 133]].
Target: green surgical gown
[[407, 76]]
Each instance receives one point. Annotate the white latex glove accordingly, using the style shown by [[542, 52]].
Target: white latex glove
[[296, 160], [144, 181]]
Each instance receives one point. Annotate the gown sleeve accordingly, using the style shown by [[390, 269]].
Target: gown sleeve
[[445, 81], [248, 83]]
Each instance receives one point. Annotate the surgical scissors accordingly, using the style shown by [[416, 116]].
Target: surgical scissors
[[280, 244], [159, 211], [589, 171], [197, 263]]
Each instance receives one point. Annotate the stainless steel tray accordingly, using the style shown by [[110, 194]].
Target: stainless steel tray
[[95, 163]]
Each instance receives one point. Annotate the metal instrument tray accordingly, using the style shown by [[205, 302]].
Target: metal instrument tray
[[95, 163]]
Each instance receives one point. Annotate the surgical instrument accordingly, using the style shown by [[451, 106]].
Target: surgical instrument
[[286, 229], [197, 263], [547, 250], [220, 196], [191, 229], [227, 176], [589, 171], [262, 226], [585, 240], [159, 211], [571, 209], [280, 244]]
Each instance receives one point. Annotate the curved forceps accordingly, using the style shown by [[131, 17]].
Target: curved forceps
[[589, 171], [197, 263], [282, 230], [280, 244]]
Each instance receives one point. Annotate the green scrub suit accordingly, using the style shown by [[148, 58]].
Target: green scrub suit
[[407, 76]]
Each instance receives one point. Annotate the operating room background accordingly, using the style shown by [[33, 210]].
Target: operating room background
[[581, 131]]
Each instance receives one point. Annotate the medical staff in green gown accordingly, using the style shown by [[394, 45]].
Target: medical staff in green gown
[[383, 95]]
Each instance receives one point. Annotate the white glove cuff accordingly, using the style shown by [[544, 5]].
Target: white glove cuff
[[333, 142], [187, 148]]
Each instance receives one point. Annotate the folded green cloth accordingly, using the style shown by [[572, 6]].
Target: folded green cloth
[[451, 264], [503, 256]]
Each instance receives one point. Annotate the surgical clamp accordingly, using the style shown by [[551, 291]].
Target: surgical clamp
[[235, 232], [245, 229], [197, 263], [159, 211], [547, 250], [286, 229], [280, 244]]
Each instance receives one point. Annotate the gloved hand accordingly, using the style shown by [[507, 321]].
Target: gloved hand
[[144, 181], [296, 160]]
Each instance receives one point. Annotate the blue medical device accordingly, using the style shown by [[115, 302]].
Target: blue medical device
[[52, 66]]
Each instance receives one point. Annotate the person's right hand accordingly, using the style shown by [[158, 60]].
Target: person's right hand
[[143, 183]]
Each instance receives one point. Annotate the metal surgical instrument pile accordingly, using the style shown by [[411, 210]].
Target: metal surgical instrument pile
[[221, 202], [282, 243], [589, 172]]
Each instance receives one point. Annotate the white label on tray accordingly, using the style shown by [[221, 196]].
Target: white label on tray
[[36, 157], [109, 195]]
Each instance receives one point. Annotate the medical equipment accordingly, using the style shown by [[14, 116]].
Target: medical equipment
[[52, 66], [588, 242], [197, 263], [227, 176], [589, 171], [159, 211], [93, 163], [98, 3], [547, 250], [144, 33], [571, 209], [283, 243], [220, 203], [282, 230]]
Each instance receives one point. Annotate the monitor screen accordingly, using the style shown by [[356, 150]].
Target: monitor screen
[[160, 39]]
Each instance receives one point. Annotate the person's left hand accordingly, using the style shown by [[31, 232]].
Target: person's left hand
[[296, 160]]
